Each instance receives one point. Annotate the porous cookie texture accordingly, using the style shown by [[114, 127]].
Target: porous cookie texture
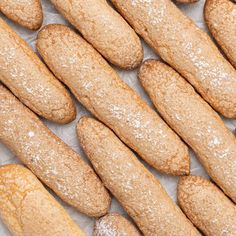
[[185, 47], [114, 224], [99, 88], [49, 158], [220, 16], [27, 208], [207, 206], [27, 13], [194, 120], [137, 190], [105, 29], [30, 80]]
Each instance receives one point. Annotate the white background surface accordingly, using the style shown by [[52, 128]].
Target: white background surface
[[67, 132]]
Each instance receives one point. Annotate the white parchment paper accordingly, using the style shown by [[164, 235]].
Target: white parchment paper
[[67, 132]]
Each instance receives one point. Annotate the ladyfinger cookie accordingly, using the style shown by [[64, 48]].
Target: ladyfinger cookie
[[186, 48], [105, 29], [221, 20], [206, 206], [49, 158], [114, 224], [138, 191], [98, 87], [30, 80], [27, 13], [194, 120], [28, 209]]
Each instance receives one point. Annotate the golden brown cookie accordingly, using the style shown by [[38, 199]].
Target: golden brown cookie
[[138, 191], [49, 158], [194, 120], [114, 224], [105, 29], [27, 13], [221, 20], [98, 87], [206, 206], [184, 46], [28, 209], [30, 80]]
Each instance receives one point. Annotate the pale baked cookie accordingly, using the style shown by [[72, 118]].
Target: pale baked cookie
[[27, 13], [105, 29], [207, 207], [98, 87], [185, 47], [220, 16], [49, 158], [114, 224], [138, 191], [194, 120], [30, 80], [28, 209]]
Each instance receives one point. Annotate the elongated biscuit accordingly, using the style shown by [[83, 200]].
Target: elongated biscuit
[[27, 13], [105, 29], [55, 163], [97, 86], [114, 224], [186, 48], [221, 20], [30, 80], [194, 120], [138, 191], [207, 207], [28, 209]]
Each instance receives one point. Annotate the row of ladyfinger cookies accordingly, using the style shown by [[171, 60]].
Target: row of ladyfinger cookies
[[34, 147], [170, 120], [50, 100], [132, 120], [29, 13], [165, 28], [96, 85], [28, 209]]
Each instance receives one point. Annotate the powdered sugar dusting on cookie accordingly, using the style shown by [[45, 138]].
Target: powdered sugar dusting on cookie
[[141, 195], [52, 161], [104, 228], [184, 46], [194, 120], [29, 79], [98, 87]]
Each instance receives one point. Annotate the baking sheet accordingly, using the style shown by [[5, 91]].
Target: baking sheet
[[67, 132]]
